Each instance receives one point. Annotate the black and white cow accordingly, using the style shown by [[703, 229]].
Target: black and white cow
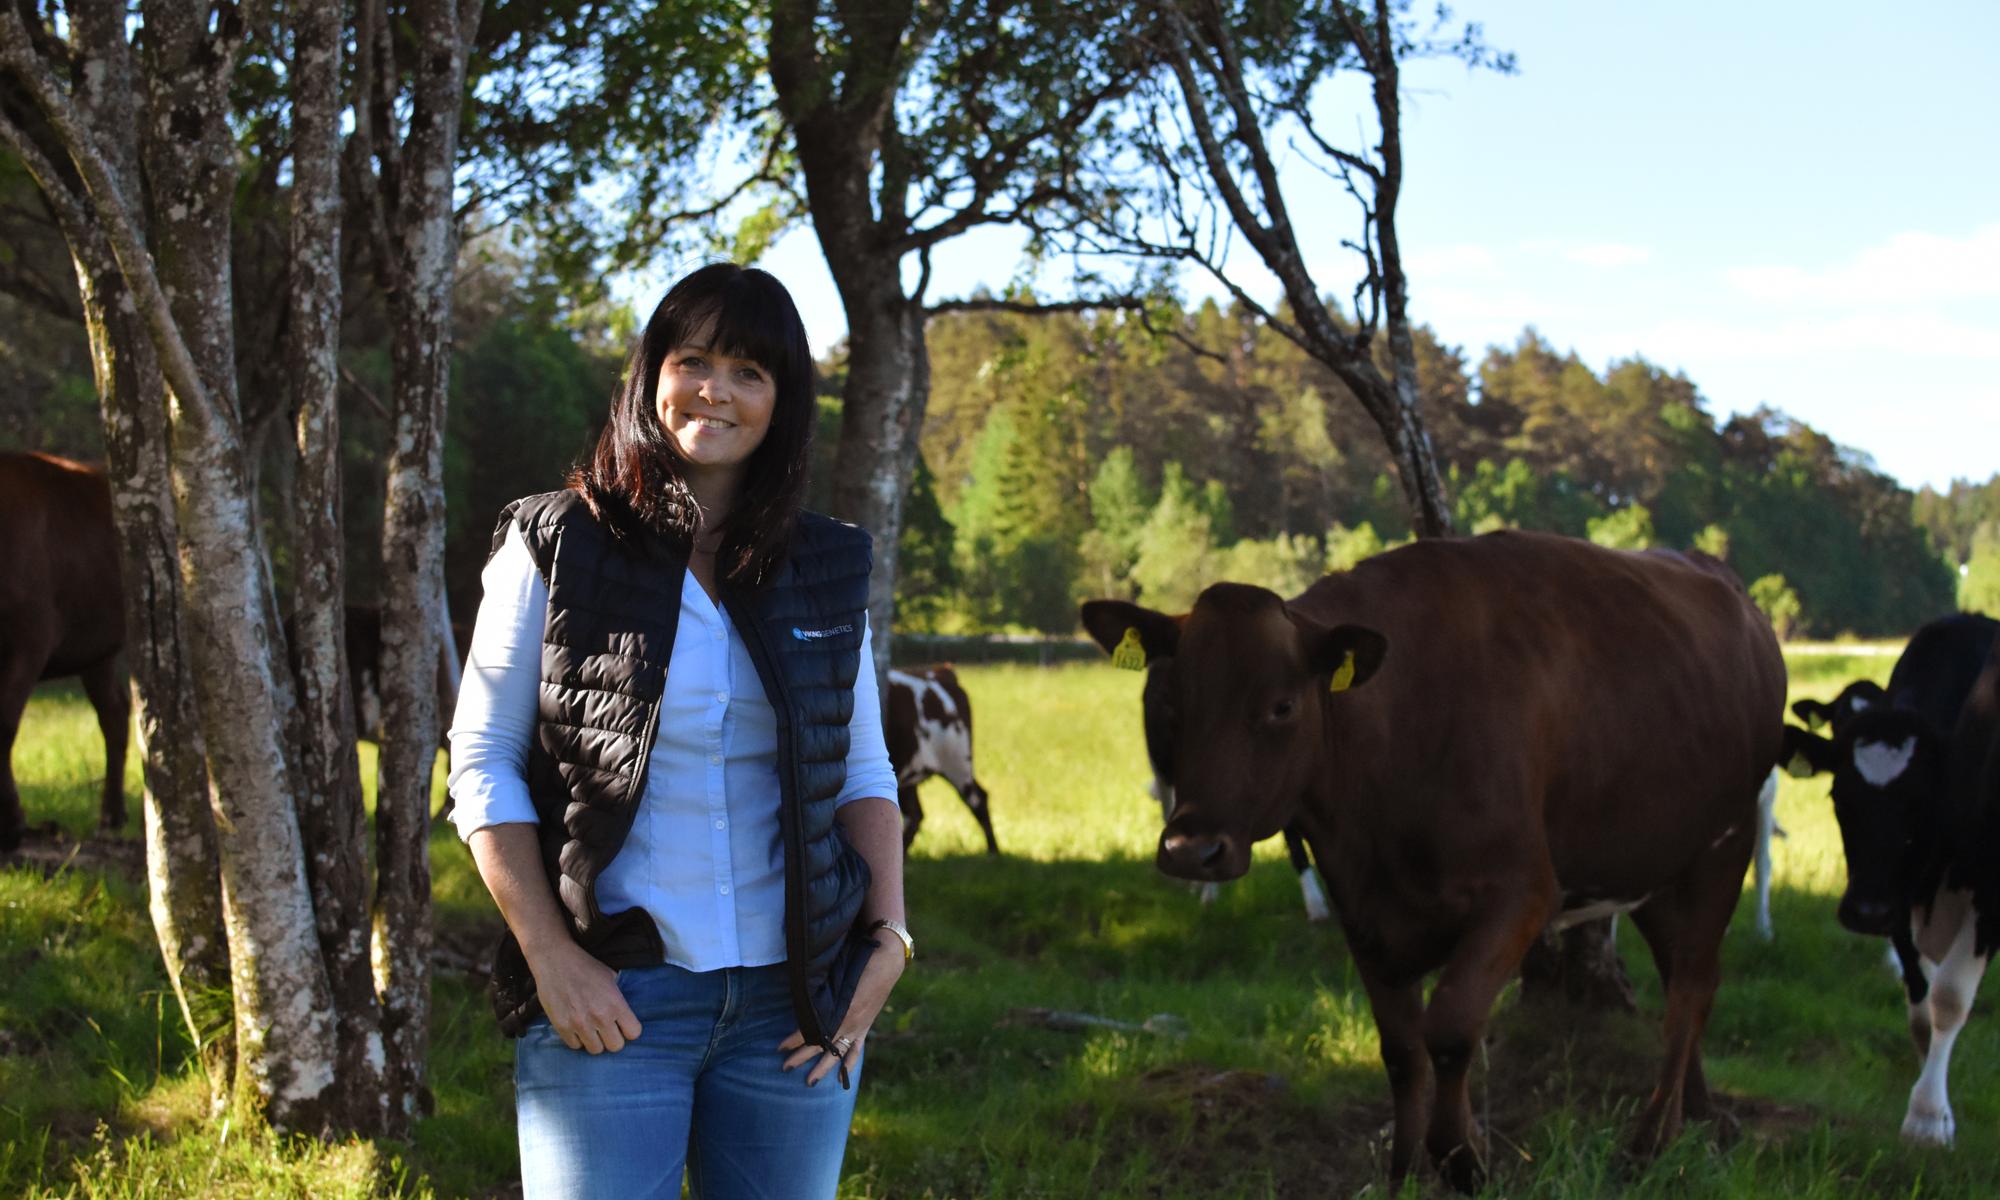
[[1856, 697], [929, 731], [1158, 715], [1916, 789]]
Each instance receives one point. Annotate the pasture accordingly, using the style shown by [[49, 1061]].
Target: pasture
[[1242, 1064]]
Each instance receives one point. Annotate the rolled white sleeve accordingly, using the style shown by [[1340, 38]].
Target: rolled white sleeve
[[495, 719], [868, 769]]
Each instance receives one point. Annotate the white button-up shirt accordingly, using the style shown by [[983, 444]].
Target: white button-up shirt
[[704, 856]]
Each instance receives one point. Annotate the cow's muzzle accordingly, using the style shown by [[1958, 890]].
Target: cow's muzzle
[[1873, 917], [1206, 857]]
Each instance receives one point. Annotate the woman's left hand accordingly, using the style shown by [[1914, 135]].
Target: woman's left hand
[[878, 977]]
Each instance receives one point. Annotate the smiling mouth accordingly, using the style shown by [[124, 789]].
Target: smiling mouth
[[701, 422]]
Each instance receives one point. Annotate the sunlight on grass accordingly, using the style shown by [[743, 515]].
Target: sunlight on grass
[[1267, 1083]]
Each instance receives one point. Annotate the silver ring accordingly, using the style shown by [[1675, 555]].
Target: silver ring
[[841, 1045]]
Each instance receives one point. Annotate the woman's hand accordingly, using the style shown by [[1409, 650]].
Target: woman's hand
[[878, 977], [581, 997]]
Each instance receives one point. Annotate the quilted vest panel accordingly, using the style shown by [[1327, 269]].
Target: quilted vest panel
[[613, 612]]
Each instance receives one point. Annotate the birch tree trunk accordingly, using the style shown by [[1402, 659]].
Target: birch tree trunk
[[183, 885], [420, 261], [331, 814], [284, 1027]]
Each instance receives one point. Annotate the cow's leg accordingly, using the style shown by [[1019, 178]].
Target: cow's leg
[[975, 799], [1309, 886], [104, 683], [1916, 989], [1953, 985], [1482, 963], [20, 665], [913, 813], [1767, 824], [1659, 924], [1684, 926], [1399, 1026]]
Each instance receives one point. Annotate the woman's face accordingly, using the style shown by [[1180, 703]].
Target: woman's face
[[715, 407]]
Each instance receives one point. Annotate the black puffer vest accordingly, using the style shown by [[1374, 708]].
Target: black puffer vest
[[613, 612]]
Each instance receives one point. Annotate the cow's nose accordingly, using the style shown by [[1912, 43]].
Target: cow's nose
[[1866, 916], [1193, 855]]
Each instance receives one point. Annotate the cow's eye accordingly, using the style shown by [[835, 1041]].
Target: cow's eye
[[1282, 710]]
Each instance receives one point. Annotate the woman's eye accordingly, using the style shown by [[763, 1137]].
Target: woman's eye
[[750, 375], [692, 362]]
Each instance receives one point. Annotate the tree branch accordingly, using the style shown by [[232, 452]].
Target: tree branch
[[134, 261]]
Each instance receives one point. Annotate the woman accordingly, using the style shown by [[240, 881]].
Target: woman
[[668, 763]]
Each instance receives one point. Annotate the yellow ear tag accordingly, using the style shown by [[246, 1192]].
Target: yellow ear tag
[[1130, 655], [1343, 675], [1799, 767]]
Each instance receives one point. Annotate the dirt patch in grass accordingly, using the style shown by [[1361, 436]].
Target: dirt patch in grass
[[1206, 1131], [49, 847]]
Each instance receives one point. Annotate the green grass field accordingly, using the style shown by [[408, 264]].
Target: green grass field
[[1269, 1088]]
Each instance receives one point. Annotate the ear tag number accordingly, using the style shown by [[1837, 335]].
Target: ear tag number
[[1130, 655], [1799, 767], [1343, 675]]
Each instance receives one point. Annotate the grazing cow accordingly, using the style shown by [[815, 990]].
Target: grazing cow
[[1481, 738], [1916, 790], [929, 732], [61, 613], [1155, 705]]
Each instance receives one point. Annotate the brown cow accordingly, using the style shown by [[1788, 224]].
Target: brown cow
[[61, 613], [928, 728], [1481, 738]]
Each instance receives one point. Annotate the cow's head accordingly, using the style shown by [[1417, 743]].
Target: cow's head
[[1236, 704], [1887, 774], [1856, 698]]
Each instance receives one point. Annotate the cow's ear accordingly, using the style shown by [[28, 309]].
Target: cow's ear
[[1134, 637], [1815, 714], [1346, 655], [1804, 754]]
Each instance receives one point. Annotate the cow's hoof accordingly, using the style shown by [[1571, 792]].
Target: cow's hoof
[[1928, 1129], [10, 840], [1463, 1170]]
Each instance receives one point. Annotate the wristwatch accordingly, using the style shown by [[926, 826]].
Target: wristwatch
[[902, 933]]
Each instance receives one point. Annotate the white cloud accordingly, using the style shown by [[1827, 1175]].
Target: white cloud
[[1908, 267], [1901, 333], [1608, 254]]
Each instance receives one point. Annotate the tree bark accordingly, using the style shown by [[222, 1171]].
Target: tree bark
[[421, 261], [840, 128], [331, 814], [284, 1065], [183, 872]]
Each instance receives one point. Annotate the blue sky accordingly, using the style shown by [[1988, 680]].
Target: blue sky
[[1797, 204]]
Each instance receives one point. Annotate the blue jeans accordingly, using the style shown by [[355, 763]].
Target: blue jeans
[[702, 1087]]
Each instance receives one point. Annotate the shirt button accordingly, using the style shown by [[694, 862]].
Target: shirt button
[[719, 822], [724, 889], [715, 758], [722, 697]]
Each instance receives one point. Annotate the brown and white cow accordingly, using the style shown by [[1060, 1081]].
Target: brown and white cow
[[929, 731], [61, 613], [1481, 738]]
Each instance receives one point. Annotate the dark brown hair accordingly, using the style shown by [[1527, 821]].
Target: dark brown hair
[[634, 481]]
